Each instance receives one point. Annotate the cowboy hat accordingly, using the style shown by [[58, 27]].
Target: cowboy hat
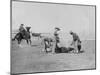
[[57, 28]]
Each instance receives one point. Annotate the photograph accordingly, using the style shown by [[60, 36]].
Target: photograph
[[52, 37]]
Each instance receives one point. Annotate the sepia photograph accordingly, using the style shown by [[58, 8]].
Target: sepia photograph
[[52, 37]]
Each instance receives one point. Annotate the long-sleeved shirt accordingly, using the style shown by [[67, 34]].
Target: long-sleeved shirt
[[21, 28], [75, 37]]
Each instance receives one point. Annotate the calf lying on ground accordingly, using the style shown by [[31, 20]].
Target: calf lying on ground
[[63, 50], [67, 50]]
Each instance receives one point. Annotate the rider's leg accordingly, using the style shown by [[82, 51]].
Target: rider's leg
[[27, 41]]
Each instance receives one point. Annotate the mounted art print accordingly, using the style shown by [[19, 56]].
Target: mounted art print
[[52, 37]]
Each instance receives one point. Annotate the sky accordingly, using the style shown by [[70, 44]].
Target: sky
[[43, 18]]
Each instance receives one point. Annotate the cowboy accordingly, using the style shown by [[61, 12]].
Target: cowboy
[[57, 39], [76, 41], [48, 44], [56, 34], [22, 29]]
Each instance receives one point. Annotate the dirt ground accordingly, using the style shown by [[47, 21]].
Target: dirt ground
[[30, 59]]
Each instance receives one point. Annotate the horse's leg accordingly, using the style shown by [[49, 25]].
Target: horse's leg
[[30, 41], [27, 41], [19, 43]]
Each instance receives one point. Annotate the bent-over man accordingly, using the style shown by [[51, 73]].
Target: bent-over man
[[76, 41]]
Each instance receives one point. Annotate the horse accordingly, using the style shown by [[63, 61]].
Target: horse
[[36, 35], [19, 36]]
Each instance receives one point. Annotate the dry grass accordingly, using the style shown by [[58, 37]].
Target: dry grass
[[33, 59]]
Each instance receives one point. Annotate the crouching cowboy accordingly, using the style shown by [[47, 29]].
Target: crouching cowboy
[[48, 44], [76, 43]]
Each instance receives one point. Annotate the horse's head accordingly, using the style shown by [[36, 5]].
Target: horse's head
[[28, 29]]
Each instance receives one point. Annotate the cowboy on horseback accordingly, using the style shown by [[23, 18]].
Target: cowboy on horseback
[[23, 34]]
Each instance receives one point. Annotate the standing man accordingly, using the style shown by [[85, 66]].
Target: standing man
[[57, 39], [56, 34], [76, 41]]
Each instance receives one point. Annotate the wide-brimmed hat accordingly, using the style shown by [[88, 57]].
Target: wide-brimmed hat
[[71, 32], [22, 24], [57, 28]]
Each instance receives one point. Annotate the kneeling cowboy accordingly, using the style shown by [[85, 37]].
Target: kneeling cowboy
[[76, 41]]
